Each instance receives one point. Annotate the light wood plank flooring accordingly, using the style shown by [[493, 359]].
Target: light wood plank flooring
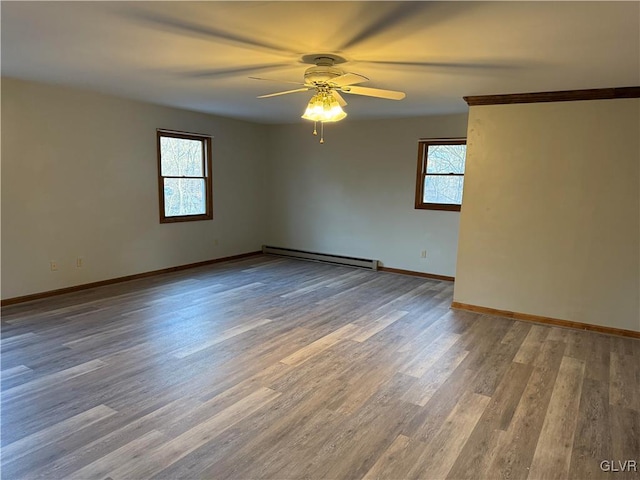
[[282, 369]]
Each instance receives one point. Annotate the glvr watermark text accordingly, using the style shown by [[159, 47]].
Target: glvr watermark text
[[619, 465]]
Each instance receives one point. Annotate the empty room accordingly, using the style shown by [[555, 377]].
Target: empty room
[[320, 240]]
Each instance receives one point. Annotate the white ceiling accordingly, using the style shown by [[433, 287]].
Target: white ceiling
[[199, 55]]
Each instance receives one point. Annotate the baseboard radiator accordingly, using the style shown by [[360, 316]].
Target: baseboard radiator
[[322, 257]]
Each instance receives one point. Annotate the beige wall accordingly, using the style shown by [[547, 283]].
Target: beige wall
[[80, 179], [551, 220], [550, 224], [354, 195]]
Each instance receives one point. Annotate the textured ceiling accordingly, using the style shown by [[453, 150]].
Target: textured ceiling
[[199, 55]]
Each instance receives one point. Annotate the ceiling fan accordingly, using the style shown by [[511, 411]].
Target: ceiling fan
[[329, 82], [325, 75]]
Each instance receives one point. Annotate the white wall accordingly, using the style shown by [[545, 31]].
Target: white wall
[[354, 195], [551, 220], [80, 179]]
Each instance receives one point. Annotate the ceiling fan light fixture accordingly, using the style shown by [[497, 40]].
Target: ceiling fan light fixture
[[323, 107]]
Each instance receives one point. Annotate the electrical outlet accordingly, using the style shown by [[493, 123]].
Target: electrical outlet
[[54, 265], [423, 254], [79, 262]]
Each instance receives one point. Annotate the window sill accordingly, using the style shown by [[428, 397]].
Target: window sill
[[438, 206], [186, 218]]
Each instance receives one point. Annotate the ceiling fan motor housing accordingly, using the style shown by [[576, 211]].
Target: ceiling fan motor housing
[[321, 74]]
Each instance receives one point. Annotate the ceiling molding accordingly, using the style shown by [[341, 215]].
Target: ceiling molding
[[562, 96]]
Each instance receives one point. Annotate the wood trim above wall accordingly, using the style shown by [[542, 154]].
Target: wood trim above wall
[[417, 274], [546, 320], [111, 281], [561, 96]]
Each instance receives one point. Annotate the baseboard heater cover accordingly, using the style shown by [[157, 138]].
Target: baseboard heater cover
[[322, 257]]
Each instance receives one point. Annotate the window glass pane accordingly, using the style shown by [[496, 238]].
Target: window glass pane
[[446, 158], [184, 196], [443, 189], [181, 157]]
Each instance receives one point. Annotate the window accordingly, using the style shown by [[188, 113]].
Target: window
[[184, 176], [440, 174]]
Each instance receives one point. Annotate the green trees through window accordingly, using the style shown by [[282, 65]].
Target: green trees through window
[[184, 166], [440, 174]]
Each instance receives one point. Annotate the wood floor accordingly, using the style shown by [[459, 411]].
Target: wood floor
[[282, 369]]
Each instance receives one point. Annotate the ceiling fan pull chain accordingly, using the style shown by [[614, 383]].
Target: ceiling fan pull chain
[[315, 130], [321, 132]]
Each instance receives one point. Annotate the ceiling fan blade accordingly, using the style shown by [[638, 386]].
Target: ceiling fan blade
[[274, 80], [341, 101], [285, 92], [348, 79], [374, 92]]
